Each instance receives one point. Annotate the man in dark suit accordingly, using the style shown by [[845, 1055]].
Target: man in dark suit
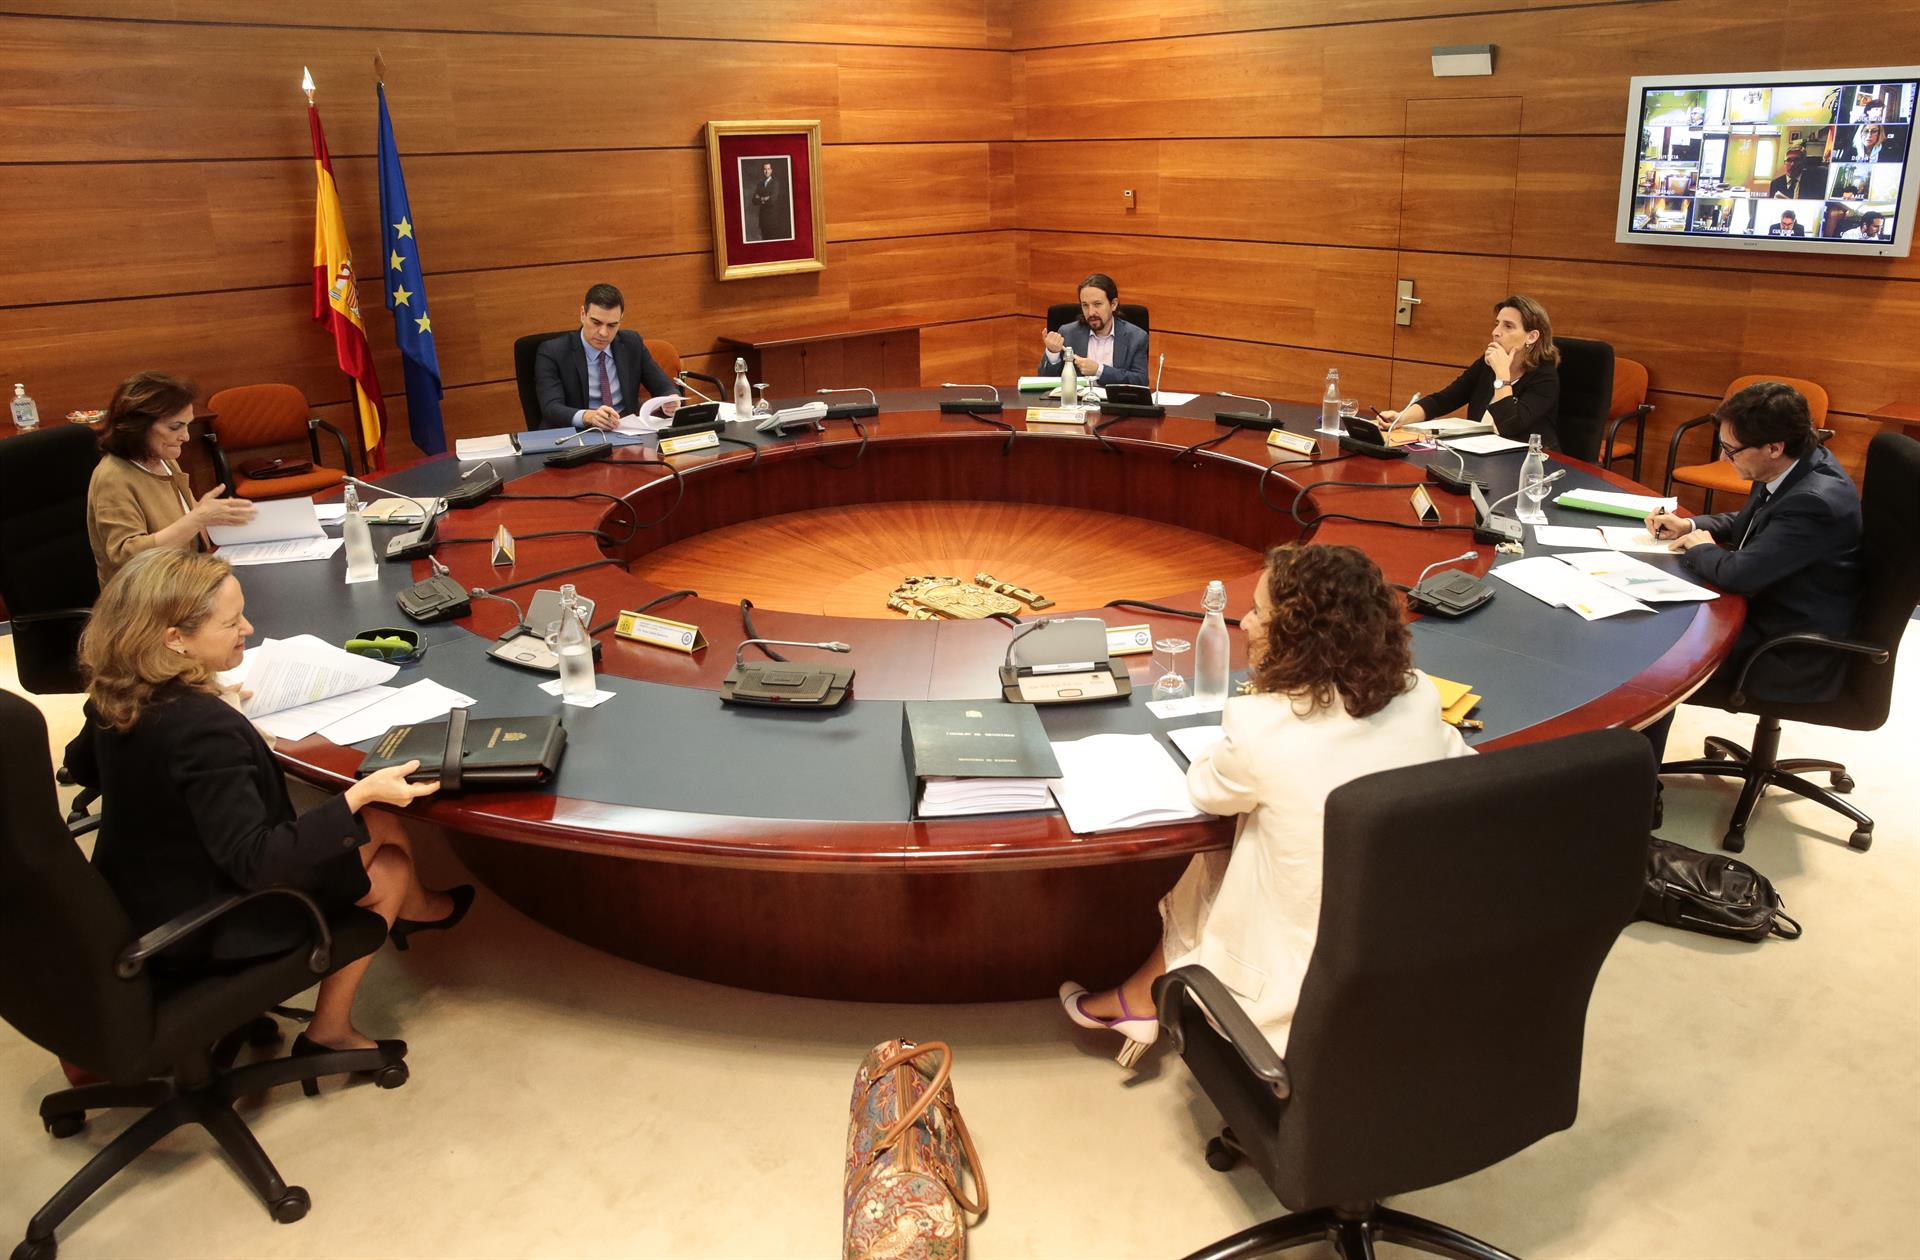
[[1788, 225], [600, 374], [1106, 349], [1802, 179], [1793, 550]]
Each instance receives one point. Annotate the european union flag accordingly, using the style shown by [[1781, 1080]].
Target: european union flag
[[406, 296]]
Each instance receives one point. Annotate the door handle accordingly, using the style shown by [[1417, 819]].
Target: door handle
[[1404, 303]]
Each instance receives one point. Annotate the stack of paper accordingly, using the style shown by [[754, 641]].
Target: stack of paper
[[497, 446], [281, 530], [301, 684], [945, 796], [1457, 427], [1113, 781], [1636, 578], [1485, 444], [1194, 740], [1615, 503], [1562, 586]]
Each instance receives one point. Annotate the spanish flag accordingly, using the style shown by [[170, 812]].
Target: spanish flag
[[336, 302]]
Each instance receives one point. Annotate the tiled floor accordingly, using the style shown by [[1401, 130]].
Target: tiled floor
[[1739, 1101]]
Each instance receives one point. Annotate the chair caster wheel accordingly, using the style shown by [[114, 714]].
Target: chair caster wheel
[[1734, 841], [1220, 1156], [393, 1076], [66, 1124], [28, 1249], [290, 1206], [1842, 782], [1861, 839]]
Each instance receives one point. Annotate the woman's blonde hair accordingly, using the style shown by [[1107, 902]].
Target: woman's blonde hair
[[124, 652]]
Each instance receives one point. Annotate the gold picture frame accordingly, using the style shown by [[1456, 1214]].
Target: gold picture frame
[[769, 212]]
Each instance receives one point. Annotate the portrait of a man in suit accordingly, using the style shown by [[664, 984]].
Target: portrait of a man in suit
[[766, 199]]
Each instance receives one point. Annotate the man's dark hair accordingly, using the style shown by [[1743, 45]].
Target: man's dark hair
[[1871, 216], [604, 295], [142, 400], [1103, 282], [1788, 216], [1770, 411]]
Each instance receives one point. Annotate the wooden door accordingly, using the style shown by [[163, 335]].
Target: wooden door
[[1458, 180]]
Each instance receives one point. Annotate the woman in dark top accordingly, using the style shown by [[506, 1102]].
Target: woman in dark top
[[193, 806], [1516, 380]]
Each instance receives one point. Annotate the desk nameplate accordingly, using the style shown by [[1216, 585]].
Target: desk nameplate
[[675, 636], [690, 442]]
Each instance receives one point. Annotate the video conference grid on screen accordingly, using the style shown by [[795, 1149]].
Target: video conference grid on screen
[[1814, 161]]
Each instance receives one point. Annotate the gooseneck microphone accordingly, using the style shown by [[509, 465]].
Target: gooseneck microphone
[[1465, 555], [962, 406], [740, 653], [681, 381], [1245, 419], [415, 544], [1542, 482], [852, 411], [1457, 482]]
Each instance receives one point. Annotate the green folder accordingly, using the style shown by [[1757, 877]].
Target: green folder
[[1632, 506]]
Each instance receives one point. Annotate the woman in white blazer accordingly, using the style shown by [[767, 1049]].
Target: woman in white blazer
[[1334, 696]]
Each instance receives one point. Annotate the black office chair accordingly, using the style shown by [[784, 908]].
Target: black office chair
[[77, 984], [47, 573], [1464, 914], [1586, 394], [1066, 312], [524, 349], [1890, 505]]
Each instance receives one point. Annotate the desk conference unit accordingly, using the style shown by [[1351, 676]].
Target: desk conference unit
[[777, 850]]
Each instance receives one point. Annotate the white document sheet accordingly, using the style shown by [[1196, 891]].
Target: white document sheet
[[424, 701], [1619, 503], [651, 419], [287, 673], [274, 520], [1635, 578], [281, 552], [1553, 583], [1639, 541], [1567, 536], [330, 513], [946, 796], [1167, 398], [1454, 426], [1485, 444], [1113, 781], [298, 723], [497, 446], [1185, 706], [593, 701], [1193, 740]]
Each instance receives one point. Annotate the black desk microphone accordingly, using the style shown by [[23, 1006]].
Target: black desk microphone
[[1451, 593], [782, 684]]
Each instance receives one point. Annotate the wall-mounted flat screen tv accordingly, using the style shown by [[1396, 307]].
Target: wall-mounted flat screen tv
[[1808, 161]]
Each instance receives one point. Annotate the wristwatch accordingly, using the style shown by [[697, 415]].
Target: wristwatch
[[1500, 383]]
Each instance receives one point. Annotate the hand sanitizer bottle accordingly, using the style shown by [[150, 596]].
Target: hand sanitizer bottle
[[359, 540], [25, 414], [1330, 404], [1210, 650], [1069, 380], [1533, 483]]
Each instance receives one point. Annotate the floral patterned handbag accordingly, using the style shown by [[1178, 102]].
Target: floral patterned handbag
[[907, 1150]]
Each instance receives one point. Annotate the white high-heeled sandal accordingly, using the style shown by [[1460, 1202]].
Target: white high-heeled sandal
[[1140, 1031]]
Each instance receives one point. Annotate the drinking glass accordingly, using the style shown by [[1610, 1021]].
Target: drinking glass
[[763, 408], [1170, 685]]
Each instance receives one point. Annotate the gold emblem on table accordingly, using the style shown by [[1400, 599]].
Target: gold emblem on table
[[926, 597], [1021, 593]]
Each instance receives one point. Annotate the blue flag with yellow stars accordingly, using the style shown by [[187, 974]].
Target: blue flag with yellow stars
[[406, 296]]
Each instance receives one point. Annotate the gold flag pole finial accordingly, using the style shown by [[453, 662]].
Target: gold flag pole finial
[[379, 68], [306, 83]]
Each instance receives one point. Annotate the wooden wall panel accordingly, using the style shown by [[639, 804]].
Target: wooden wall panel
[[943, 23], [1283, 294], [1041, 25], [1328, 192], [106, 91]]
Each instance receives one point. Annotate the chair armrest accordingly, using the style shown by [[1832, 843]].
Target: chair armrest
[[1639, 417], [221, 471], [1673, 447], [1878, 655], [314, 425], [1196, 984], [79, 820], [134, 956], [52, 614]]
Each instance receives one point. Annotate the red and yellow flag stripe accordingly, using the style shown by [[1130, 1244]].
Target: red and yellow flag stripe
[[336, 299]]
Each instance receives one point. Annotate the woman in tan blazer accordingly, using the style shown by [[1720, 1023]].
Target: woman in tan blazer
[[138, 497], [1334, 697]]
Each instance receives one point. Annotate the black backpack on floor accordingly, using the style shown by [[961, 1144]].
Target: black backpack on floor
[[1711, 893]]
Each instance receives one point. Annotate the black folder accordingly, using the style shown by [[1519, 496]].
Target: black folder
[[493, 752]]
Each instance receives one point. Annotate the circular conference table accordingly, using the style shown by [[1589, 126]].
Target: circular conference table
[[777, 849]]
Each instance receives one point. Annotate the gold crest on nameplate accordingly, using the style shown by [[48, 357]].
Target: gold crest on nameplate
[[511, 736]]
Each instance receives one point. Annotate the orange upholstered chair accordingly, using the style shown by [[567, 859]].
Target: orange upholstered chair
[[1719, 475], [1629, 407], [259, 418], [666, 356]]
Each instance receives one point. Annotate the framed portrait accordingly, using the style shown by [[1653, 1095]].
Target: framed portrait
[[767, 205]]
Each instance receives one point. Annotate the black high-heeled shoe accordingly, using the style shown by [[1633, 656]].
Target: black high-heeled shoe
[[462, 895], [389, 1072]]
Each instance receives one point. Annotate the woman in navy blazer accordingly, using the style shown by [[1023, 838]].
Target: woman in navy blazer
[[193, 806]]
